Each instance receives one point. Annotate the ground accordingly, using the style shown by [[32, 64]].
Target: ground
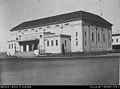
[[59, 71]]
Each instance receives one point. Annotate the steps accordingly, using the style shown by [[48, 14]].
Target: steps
[[25, 54]]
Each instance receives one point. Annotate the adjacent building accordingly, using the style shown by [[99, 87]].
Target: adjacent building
[[78, 31], [116, 41]]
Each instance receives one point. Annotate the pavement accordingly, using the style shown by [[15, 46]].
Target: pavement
[[74, 71]]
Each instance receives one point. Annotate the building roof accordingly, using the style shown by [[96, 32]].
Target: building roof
[[62, 18]]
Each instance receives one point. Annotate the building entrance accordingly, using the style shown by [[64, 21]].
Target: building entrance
[[29, 45]]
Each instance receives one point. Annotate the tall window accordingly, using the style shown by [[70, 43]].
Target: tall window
[[47, 43], [12, 46], [85, 34], [103, 37], [98, 37], [9, 46], [65, 43], [85, 43], [76, 43], [116, 40], [92, 37], [112, 40], [56, 42], [76, 34], [52, 43], [15, 46]]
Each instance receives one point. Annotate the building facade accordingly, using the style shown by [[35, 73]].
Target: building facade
[[72, 32], [116, 41]]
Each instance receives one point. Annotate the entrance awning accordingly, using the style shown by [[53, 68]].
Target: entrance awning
[[32, 41]]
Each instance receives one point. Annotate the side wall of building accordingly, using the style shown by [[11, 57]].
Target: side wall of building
[[116, 40], [96, 38]]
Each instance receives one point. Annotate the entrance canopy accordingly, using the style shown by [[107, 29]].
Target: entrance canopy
[[34, 41]]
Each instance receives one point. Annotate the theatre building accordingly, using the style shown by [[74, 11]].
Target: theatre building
[[78, 31]]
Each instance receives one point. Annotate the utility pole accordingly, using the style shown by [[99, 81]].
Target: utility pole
[[119, 3], [100, 3]]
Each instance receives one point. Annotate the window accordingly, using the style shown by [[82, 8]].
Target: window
[[33, 29], [65, 43], [98, 37], [40, 28], [112, 40], [67, 24], [36, 31], [76, 39], [52, 43], [76, 34], [56, 42], [9, 46], [40, 36], [56, 25], [92, 37], [85, 43], [116, 40], [76, 43], [25, 30], [85, 34], [48, 26], [12, 46], [103, 37], [19, 31], [15, 46], [47, 43]]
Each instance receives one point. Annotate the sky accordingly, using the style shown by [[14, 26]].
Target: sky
[[14, 12]]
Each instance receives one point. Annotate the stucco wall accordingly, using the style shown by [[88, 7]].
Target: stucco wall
[[98, 44], [54, 48]]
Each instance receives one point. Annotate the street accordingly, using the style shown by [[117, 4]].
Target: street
[[89, 71]]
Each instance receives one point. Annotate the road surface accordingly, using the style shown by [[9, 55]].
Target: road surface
[[35, 71]]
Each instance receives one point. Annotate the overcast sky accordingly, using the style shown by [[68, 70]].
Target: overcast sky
[[13, 12]]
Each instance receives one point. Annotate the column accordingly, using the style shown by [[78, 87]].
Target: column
[[21, 48], [27, 48], [32, 47]]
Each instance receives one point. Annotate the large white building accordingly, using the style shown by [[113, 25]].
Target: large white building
[[71, 32]]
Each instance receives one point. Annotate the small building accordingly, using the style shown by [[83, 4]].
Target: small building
[[78, 31], [116, 41]]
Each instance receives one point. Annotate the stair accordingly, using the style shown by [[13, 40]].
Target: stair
[[25, 54]]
